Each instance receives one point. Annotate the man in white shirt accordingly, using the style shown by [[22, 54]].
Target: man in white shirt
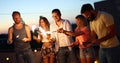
[[62, 41]]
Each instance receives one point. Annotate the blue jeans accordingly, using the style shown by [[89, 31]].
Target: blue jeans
[[64, 55], [25, 56], [109, 55]]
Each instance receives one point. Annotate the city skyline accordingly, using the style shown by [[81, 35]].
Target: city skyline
[[31, 10]]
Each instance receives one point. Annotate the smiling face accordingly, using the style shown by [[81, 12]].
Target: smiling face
[[56, 16], [42, 23]]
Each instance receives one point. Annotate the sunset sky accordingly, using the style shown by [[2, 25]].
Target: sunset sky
[[31, 10]]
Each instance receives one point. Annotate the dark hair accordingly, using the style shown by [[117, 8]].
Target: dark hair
[[86, 7], [15, 12], [46, 22], [81, 17], [56, 11]]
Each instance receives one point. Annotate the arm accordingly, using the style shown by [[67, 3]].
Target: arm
[[75, 43], [112, 32], [10, 36], [93, 36], [28, 38], [72, 33], [37, 39], [108, 21], [52, 36], [69, 33], [51, 40]]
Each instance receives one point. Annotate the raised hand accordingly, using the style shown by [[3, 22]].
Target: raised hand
[[60, 30]]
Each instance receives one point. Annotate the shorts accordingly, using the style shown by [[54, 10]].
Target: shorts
[[47, 51], [87, 53]]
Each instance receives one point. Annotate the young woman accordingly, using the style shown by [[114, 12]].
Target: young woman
[[82, 38], [47, 50]]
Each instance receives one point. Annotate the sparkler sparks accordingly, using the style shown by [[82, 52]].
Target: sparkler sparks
[[33, 28], [17, 36], [41, 30]]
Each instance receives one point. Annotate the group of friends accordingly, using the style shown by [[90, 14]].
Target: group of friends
[[93, 27]]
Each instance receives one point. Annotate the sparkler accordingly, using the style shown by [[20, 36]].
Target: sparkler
[[33, 28], [17, 36], [41, 31]]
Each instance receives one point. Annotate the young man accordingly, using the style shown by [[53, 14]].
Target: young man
[[20, 34], [102, 25], [62, 41]]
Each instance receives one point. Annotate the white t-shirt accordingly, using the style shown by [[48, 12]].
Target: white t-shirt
[[99, 26]]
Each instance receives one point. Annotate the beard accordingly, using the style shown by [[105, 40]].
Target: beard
[[92, 18], [17, 22]]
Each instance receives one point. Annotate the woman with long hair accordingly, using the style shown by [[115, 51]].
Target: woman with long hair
[[47, 50]]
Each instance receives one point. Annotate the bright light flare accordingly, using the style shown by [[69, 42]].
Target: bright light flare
[[33, 28], [7, 58], [95, 61], [42, 31], [35, 50]]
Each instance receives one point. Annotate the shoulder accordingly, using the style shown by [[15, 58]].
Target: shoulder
[[86, 29], [107, 18], [26, 26], [105, 15], [11, 28], [66, 21]]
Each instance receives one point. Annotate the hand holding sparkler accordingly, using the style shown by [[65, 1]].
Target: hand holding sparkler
[[60, 30]]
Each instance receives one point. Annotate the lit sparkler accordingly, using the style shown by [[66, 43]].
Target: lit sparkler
[[41, 31], [17, 36], [33, 28]]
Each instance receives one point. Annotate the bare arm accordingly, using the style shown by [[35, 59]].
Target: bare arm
[[72, 33], [112, 32], [10, 36], [75, 43], [69, 32], [93, 36], [38, 39]]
